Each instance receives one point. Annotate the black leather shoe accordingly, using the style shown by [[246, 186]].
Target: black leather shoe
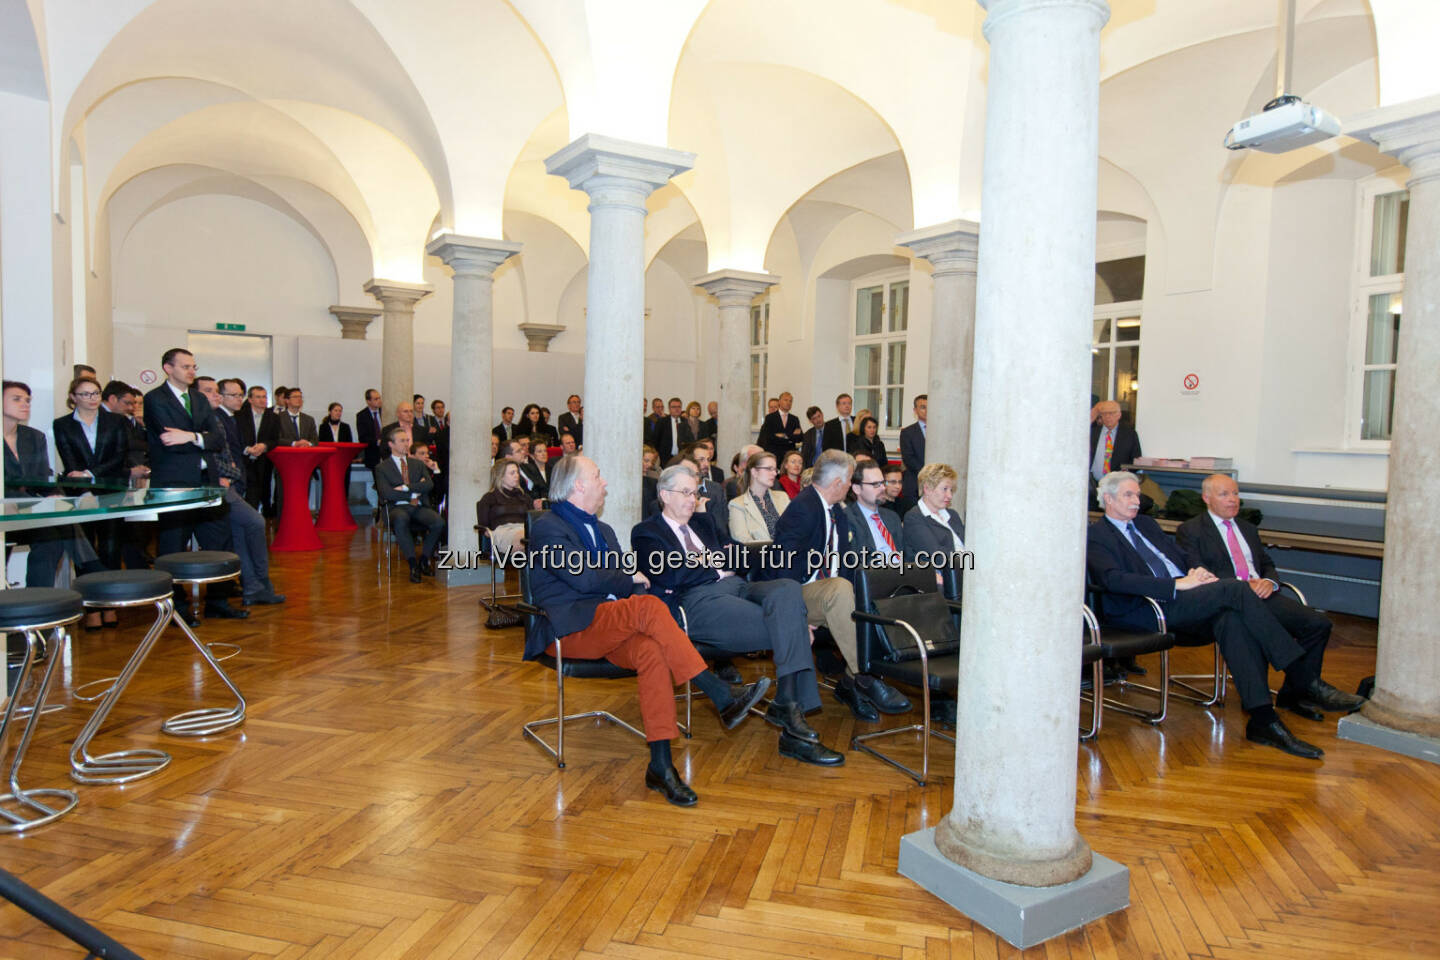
[[264, 599], [942, 712], [1131, 667], [1298, 705], [414, 571], [791, 720], [742, 699], [676, 790], [426, 567], [1275, 734], [727, 672], [809, 751], [885, 698], [1320, 694], [224, 611], [858, 703]]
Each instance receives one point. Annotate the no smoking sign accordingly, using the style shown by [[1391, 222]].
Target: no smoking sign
[[1190, 385]]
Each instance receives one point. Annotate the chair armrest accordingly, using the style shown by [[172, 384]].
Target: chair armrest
[[1092, 625], [955, 606], [860, 616], [529, 609], [1159, 615], [684, 620], [1285, 585]]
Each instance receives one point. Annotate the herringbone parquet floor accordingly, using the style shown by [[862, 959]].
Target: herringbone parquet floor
[[379, 802]]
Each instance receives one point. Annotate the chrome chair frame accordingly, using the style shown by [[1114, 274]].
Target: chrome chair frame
[[204, 721], [26, 800], [1097, 674]]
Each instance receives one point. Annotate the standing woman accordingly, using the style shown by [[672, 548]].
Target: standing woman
[[692, 417], [333, 429], [870, 443], [94, 444]]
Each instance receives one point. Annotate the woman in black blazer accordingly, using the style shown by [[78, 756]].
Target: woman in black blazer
[[333, 429], [931, 526], [104, 461], [869, 442]]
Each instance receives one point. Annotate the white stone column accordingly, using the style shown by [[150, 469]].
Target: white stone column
[[1407, 666], [618, 176], [953, 249], [354, 320], [734, 290], [1014, 812], [472, 342], [397, 339]]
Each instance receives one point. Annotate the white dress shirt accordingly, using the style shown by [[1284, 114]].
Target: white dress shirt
[[944, 517]]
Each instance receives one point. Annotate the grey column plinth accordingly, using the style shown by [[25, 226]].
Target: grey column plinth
[[463, 576], [1363, 730], [1023, 916]]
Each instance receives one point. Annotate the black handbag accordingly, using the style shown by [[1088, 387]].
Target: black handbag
[[500, 616]]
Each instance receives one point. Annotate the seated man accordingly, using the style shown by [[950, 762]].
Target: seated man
[[809, 539], [1130, 557], [725, 610], [874, 528], [601, 612], [1229, 547], [404, 482]]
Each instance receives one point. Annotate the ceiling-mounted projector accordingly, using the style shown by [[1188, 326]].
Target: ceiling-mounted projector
[[1287, 123]]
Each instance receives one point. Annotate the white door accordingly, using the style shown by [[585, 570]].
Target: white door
[[243, 355]]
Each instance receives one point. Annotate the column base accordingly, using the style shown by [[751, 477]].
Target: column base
[[1360, 728], [1036, 873], [1023, 916], [463, 576]]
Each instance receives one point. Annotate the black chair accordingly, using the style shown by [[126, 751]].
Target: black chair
[[908, 634], [1092, 658], [537, 621], [1125, 644]]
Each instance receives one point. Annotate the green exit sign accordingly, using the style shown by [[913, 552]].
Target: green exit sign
[[230, 326]]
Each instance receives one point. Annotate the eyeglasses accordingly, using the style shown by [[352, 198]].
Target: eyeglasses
[[87, 395], [687, 494], [871, 483], [232, 396]]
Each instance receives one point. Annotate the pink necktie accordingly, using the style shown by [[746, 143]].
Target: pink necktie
[[1237, 556], [690, 545]]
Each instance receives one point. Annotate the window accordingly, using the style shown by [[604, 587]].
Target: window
[[1378, 309], [882, 322], [759, 359], [1115, 346]]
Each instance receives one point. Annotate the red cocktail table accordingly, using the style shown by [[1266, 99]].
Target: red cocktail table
[[334, 484], [296, 530]]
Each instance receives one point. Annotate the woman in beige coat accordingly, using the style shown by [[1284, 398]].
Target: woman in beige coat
[[755, 512]]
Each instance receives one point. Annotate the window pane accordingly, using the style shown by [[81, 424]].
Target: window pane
[[867, 399], [894, 408], [1382, 328], [1119, 281], [1387, 233], [900, 306], [867, 365], [1102, 331], [757, 404], [766, 327], [1378, 404], [1127, 376], [755, 340], [1100, 373], [1127, 329], [895, 368], [869, 311]]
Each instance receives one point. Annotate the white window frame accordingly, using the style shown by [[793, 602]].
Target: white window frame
[[1114, 312], [1363, 288], [759, 309], [885, 279]]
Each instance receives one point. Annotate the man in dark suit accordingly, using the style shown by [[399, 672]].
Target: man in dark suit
[[716, 473], [1131, 558], [671, 434], [404, 482], [124, 400], [781, 432], [1112, 444], [567, 447], [874, 529], [247, 527], [912, 448], [727, 611], [505, 429], [717, 505], [710, 426], [573, 419], [809, 539], [297, 428], [369, 428], [837, 430], [406, 420], [814, 443], [258, 426], [599, 611], [1230, 548], [181, 428]]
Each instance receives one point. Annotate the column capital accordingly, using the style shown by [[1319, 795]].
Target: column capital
[[735, 287], [397, 291], [1409, 132], [471, 255], [998, 11], [354, 320], [953, 246], [539, 335], [594, 162]]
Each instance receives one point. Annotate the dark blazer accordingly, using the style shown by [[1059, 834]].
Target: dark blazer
[[875, 449], [112, 446], [1113, 563], [862, 540], [812, 445], [568, 424], [709, 428], [327, 433], [269, 427], [660, 436], [369, 431], [912, 455], [569, 595], [502, 433], [1125, 449], [652, 538], [33, 462], [533, 480], [179, 466], [778, 423], [138, 454], [388, 481], [836, 437], [543, 430], [927, 535], [286, 435], [419, 433], [1204, 547], [235, 447], [718, 509], [802, 529]]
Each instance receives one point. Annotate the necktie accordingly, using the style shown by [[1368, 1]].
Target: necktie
[[404, 472], [1153, 561], [185, 399], [296, 421], [690, 545], [1237, 556], [884, 531], [815, 457], [674, 436], [1109, 449]]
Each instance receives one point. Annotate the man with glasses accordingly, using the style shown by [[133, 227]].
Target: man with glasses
[[874, 529], [697, 567], [247, 527]]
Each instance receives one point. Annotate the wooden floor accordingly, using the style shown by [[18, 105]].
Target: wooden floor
[[380, 802]]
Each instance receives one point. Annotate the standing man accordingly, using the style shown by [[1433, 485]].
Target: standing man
[[1112, 445], [573, 419], [814, 443], [710, 426], [247, 527], [259, 428], [711, 493], [297, 428], [405, 483], [405, 419], [369, 427], [504, 431], [837, 431], [912, 449], [672, 433], [781, 432]]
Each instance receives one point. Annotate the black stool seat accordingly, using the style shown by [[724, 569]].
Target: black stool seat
[[199, 564], [583, 669], [23, 606], [125, 586]]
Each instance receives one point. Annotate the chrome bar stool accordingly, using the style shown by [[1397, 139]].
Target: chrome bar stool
[[194, 568], [32, 610], [112, 590]]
